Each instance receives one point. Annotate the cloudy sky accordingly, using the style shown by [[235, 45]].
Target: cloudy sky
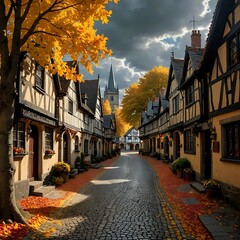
[[143, 33]]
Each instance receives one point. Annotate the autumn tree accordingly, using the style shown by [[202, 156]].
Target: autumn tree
[[106, 107], [138, 94], [47, 30], [121, 125]]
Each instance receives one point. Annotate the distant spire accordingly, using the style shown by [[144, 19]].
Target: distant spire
[[111, 80]]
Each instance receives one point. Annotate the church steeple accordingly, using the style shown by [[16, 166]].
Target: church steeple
[[111, 90], [111, 80]]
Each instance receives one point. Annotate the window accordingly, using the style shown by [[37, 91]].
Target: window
[[48, 138], [70, 106], [189, 142], [19, 135], [76, 143], [86, 118], [39, 76], [175, 104], [190, 94], [232, 140], [158, 143], [234, 50], [85, 146], [111, 98]]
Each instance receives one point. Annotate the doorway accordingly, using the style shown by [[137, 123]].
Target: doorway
[[33, 153], [65, 148], [206, 156], [176, 152]]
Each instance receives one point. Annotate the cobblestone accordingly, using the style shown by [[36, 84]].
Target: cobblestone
[[122, 203]]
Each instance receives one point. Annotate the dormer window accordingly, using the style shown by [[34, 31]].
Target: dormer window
[[70, 106], [84, 98], [39, 76]]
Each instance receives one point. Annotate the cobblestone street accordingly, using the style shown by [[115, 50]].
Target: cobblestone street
[[124, 202]]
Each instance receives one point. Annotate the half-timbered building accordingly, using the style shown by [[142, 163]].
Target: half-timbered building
[[221, 69], [176, 113], [191, 87], [35, 126]]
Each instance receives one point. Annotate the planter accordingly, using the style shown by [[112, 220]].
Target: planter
[[179, 172], [212, 193], [188, 176]]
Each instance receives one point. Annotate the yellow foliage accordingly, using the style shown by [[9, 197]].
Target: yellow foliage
[[51, 29], [106, 107], [138, 94], [121, 125]]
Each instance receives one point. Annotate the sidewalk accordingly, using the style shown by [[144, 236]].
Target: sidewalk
[[202, 217]]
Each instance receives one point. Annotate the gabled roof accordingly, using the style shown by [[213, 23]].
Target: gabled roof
[[129, 131], [64, 83], [195, 55], [108, 121], [91, 88], [223, 9], [176, 66]]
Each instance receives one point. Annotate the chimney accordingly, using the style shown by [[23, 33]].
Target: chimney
[[196, 39]]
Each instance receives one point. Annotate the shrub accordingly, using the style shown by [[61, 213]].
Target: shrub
[[61, 167], [181, 163]]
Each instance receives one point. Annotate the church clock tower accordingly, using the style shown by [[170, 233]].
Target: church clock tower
[[111, 91]]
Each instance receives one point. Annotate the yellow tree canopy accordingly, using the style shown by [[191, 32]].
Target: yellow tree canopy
[[122, 126], [138, 94], [106, 107], [48, 30]]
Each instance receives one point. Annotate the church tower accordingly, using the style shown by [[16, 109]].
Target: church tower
[[111, 91]]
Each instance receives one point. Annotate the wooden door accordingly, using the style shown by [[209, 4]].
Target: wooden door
[[33, 153]]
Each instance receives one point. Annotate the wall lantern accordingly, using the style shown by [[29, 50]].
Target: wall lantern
[[213, 134]]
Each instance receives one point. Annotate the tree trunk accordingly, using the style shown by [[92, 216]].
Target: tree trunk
[[8, 207]]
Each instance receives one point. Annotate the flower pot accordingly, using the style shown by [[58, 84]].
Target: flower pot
[[179, 172], [188, 176], [212, 193]]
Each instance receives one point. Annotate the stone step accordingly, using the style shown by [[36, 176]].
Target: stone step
[[34, 185], [197, 187], [96, 165], [43, 191]]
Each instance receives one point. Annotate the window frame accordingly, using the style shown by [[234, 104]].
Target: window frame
[[233, 57], [189, 142], [17, 132], [189, 94], [49, 142], [231, 137], [70, 106], [39, 78], [175, 104]]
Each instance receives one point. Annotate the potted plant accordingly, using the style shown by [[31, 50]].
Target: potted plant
[[179, 164], [188, 174], [61, 169], [57, 180], [212, 188]]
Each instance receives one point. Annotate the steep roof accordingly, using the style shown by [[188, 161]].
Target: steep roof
[[223, 9], [176, 66], [195, 55], [91, 88]]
